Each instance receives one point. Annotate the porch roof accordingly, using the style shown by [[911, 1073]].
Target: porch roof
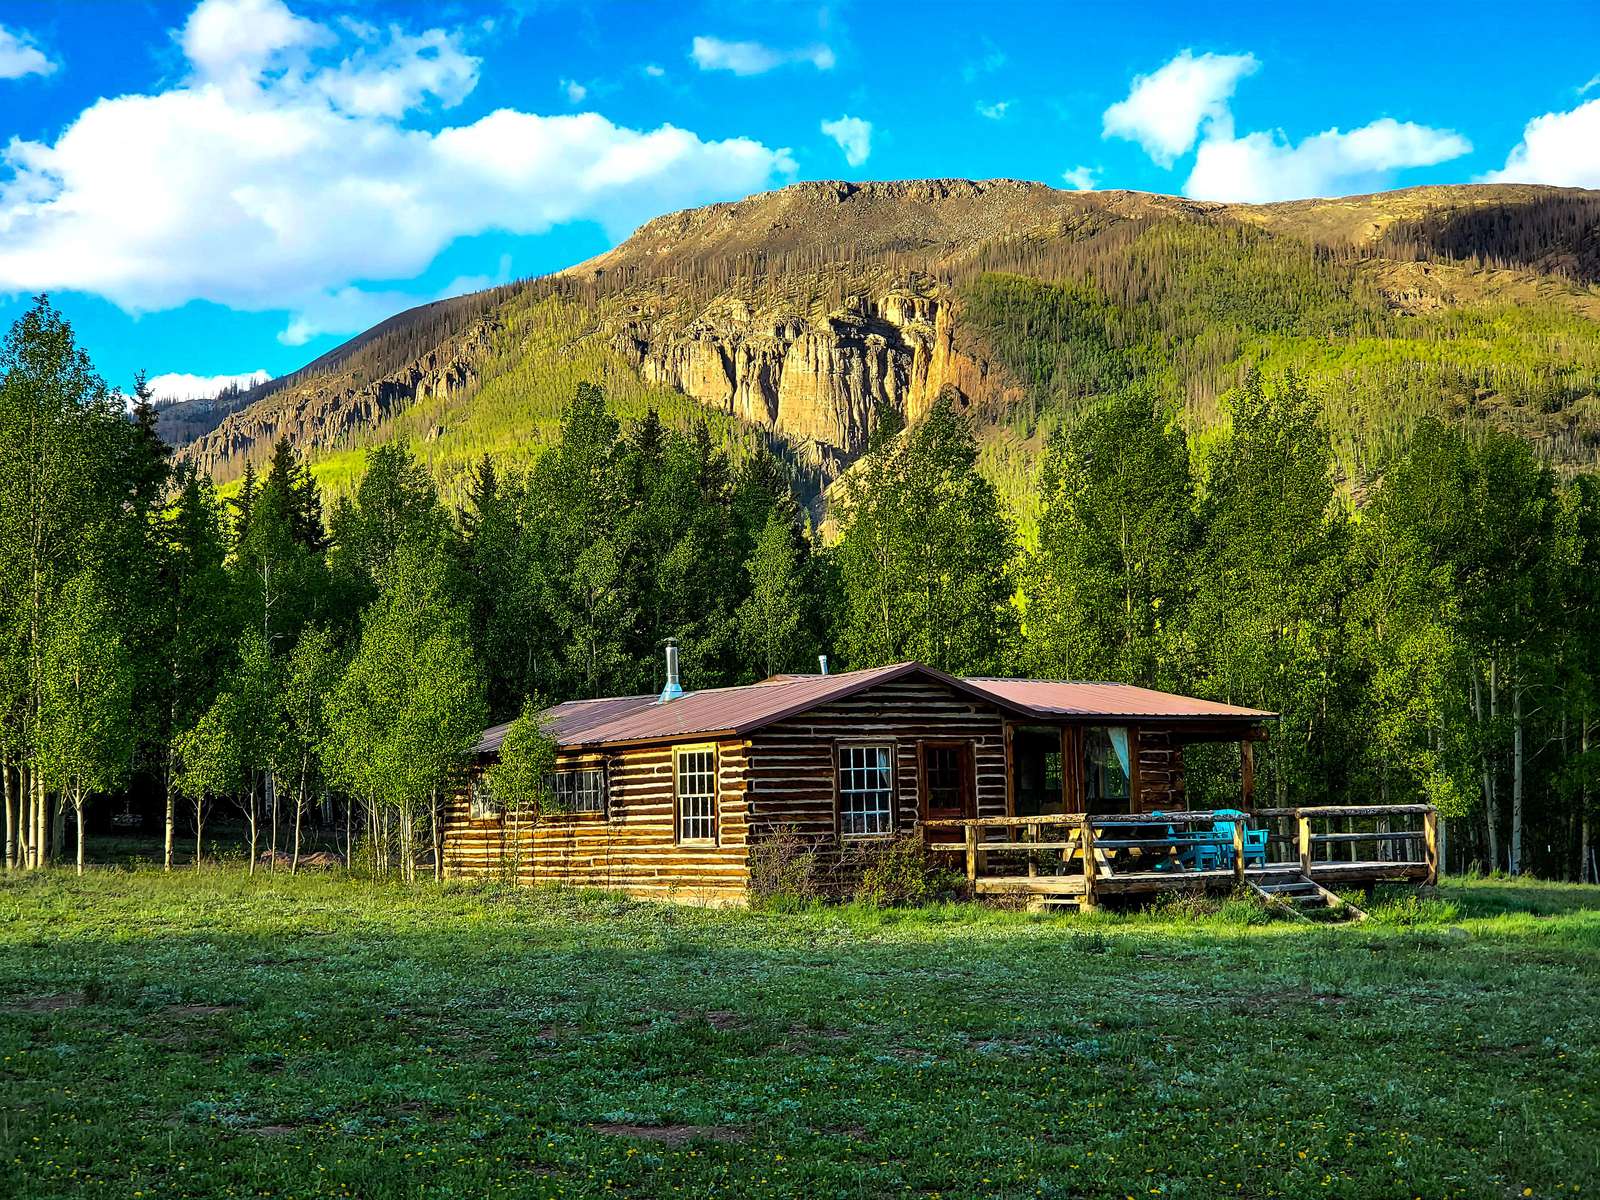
[[734, 711]]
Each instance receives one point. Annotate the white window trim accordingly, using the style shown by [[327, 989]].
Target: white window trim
[[577, 769], [478, 810], [716, 794], [839, 748]]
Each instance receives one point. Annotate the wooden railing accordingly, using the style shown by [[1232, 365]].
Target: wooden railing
[[1102, 848], [1295, 835]]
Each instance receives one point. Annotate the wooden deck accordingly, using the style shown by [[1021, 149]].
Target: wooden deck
[[1081, 859]]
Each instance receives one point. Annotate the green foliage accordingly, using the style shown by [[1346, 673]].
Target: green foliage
[[898, 871], [773, 623], [519, 778], [86, 726], [1106, 589], [924, 557], [786, 870]]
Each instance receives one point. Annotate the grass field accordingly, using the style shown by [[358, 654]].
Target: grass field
[[213, 1035]]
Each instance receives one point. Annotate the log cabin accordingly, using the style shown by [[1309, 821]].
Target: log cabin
[[667, 796]]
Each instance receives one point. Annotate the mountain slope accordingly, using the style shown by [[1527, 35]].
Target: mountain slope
[[794, 315]]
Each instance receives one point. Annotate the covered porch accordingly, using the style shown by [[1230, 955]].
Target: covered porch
[[1287, 854]]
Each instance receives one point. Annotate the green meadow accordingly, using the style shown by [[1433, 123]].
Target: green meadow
[[210, 1034]]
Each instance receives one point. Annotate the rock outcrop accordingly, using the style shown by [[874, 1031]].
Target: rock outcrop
[[811, 381], [329, 410]]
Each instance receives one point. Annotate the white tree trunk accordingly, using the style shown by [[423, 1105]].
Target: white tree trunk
[[1514, 864]]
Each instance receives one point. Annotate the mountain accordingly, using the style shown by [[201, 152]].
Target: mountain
[[793, 315]]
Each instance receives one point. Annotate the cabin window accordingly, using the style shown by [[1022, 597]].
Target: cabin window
[[696, 779], [1106, 768], [481, 805], [866, 790], [581, 791]]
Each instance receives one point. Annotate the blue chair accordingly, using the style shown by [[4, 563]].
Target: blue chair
[[1200, 849], [1255, 840]]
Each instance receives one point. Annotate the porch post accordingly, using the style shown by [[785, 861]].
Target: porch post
[[1247, 773], [1430, 841], [1238, 853], [1091, 871], [1305, 843]]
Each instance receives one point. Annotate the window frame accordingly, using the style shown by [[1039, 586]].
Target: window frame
[[481, 804], [892, 812], [1092, 802], [576, 771], [715, 795]]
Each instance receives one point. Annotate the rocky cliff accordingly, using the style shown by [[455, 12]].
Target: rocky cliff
[[804, 311], [812, 380]]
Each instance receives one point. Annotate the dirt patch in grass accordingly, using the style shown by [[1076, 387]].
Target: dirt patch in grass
[[272, 1131], [38, 1004], [670, 1135], [197, 1010]]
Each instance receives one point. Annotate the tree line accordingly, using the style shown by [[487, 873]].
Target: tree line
[[1437, 643]]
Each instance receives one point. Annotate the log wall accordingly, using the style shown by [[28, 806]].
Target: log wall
[[1160, 776], [632, 848], [792, 763]]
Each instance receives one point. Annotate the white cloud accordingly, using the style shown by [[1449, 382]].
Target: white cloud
[[171, 388], [753, 58], [1185, 102], [279, 174], [1081, 179], [995, 111], [1164, 110], [654, 70], [1560, 148], [1262, 167], [574, 91], [854, 137], [1584, 90], [20, 55], [235, 42]]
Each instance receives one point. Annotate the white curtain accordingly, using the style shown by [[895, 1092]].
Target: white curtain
[[1119, 743]]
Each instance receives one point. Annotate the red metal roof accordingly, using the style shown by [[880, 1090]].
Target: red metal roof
[[734, 711], [1062, 699]]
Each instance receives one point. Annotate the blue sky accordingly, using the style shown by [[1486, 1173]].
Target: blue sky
[[238, 185]]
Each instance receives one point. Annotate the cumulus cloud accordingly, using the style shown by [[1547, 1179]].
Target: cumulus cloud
[[282, 172], [574, 91], [1560, 147], [1186, 103], [20, 55], [995, 111], [171, 388], [1262, 167], [1164, 110], [754, 58], [1081, 179], [854, 137]]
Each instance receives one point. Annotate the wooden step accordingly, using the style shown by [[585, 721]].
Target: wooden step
[[1299, 893]]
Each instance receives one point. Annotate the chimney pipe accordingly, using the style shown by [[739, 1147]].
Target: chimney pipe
[[674, 689], [822, 660]]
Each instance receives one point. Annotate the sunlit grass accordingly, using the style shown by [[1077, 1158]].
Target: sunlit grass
[[210, 1035]]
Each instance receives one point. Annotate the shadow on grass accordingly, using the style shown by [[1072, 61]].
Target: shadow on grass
[[1502, 896]]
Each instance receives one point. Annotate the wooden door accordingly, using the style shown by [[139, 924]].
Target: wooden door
[[945, 780]]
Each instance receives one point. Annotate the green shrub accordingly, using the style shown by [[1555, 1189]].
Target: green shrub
[[899, 871], [785, 869]]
